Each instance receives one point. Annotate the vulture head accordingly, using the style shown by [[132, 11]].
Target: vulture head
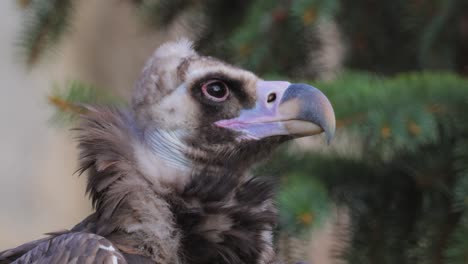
[[214, 113]]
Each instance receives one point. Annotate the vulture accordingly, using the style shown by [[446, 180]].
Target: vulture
[[169, 175]]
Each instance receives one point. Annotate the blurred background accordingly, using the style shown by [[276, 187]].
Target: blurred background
[[391, 188]]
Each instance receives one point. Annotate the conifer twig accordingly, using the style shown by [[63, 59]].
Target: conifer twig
[[66, 106]]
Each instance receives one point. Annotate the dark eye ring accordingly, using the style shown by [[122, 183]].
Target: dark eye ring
[[215, 90]]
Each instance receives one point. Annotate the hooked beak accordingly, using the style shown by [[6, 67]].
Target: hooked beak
[[283, 108]]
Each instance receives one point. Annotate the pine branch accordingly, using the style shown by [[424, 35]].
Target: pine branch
[[303, 204], [399, 112], [70, 102], [66, 106], [46, 21]]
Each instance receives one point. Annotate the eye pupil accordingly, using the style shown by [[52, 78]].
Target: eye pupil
[[215, 90]]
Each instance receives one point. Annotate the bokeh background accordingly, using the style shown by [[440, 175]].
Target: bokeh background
[[392, 187]]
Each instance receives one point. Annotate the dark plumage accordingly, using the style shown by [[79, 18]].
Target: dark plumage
[[169, 178]]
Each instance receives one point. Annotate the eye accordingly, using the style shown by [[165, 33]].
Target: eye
[[215, 90]]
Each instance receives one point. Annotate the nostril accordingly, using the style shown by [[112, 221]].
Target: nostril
[[271, 97]]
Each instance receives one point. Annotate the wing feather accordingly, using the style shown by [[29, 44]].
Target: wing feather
[[74, 247]]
